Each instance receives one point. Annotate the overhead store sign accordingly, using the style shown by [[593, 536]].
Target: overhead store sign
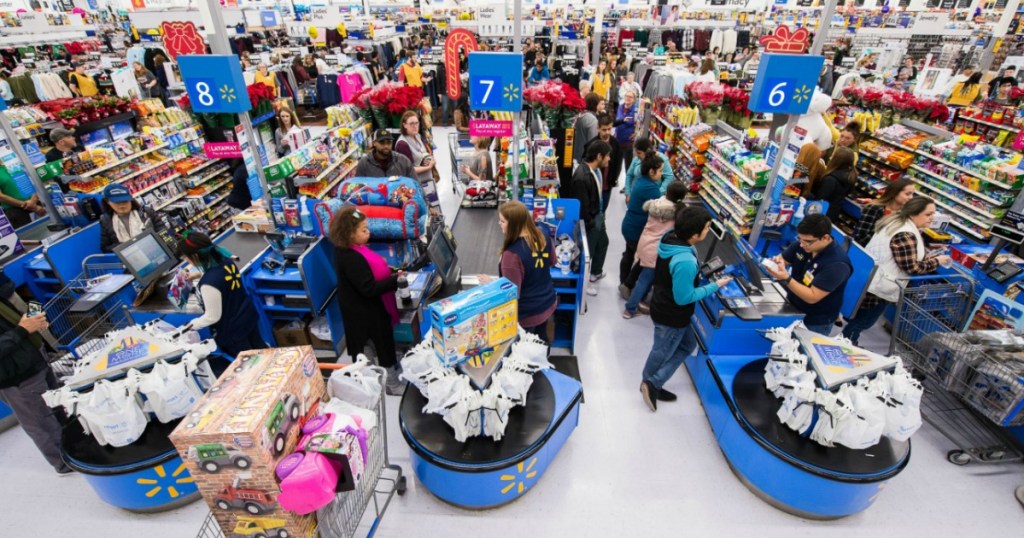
[[491, 14], [785, 83], [34, 21], [214, 83], [496, 81], [930, 23], [268, 18], [329, 17]]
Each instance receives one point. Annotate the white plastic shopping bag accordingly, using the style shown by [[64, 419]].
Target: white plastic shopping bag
[[357, 384], [113, 413], [902, 396], [170, 390], [863, 427], [365, 418]]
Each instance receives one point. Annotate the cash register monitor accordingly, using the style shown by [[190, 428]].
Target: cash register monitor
[[146, 257], [442, 254], [749, 260]]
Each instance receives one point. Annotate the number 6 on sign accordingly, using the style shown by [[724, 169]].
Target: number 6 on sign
[[777, 96]]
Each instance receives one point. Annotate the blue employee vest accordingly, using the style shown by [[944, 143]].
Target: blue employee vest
[[238, 315], [537, 292]]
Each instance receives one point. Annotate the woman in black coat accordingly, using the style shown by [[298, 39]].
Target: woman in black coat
[[366, 292], [837, 182]]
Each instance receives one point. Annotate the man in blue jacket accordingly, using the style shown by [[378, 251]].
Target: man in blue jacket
[[641, 148], [676, 275], [648, 187]]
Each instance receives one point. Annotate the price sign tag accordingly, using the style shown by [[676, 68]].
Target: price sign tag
[[214, 83], [785, 83], [496, 81]]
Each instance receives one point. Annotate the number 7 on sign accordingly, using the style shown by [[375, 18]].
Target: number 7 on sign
[[490, 86]]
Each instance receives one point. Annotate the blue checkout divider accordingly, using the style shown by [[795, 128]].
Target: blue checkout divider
[[65, 256], [314, 278]]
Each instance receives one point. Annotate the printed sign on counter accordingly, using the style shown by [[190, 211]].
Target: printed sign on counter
[[490, 128], [222, 150]]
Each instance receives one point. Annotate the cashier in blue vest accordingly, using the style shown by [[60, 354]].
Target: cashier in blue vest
[[820, 270], [228, 310], [526, 257]]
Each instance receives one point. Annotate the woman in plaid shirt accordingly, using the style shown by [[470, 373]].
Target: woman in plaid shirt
[[896, 195], [899, 251]]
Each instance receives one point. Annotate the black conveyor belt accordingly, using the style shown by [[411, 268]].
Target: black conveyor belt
[[479, 237], [244, 245]]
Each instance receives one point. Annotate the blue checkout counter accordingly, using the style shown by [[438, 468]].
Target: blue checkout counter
[[788, 471], [148, 475], [482, 473]]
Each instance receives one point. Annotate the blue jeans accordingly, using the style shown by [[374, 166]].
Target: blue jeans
[[643, 285], [821, 328], [863, 320], [671, 347]]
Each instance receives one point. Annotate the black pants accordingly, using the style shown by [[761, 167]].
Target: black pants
[[540, 330], [17, 216], [627, 156], [626, 264], [381, 333], [238, 344], [634, 275]]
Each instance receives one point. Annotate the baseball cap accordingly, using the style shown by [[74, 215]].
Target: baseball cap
[[59, 134], [116, 193], [383, 134]]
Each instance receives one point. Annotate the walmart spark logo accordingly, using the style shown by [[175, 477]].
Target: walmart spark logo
[[518, 480], [164, 482], [232, 277], [802, 94], [227, 94], [511, 92]]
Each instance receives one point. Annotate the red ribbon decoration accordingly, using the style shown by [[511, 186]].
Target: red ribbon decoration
[[460, 37], [181, 38], [785, 41]]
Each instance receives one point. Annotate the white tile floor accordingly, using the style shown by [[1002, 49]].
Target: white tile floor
[[624, 471]]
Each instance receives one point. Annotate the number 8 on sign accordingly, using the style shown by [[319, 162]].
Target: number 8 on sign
[[203, 90]]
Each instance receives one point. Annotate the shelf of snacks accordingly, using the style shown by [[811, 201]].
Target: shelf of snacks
[[995, 123], [749, 167], [205, 190], [688, 157]]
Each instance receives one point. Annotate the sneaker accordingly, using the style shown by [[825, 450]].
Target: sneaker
[[644, 309], [625, 291], [394, 386], [626, 314], [648, 390], [666, 396], [64, 470], [592, 290], [595, 278]]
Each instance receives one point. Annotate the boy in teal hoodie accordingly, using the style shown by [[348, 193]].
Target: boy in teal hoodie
[[676, 275]]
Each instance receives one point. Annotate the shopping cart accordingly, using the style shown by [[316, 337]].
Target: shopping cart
[[76, 334], [969, 396], [381, 480], [307, 99], [460, 150]]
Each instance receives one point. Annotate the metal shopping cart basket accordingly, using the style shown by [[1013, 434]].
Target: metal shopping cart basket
[[76, 334], [970, 396], [459, 150], [381, 480]]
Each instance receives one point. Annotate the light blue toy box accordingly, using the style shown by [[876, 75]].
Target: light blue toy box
[[471, 322]]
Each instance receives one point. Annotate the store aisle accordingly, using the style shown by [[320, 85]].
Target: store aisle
[[624, 472]]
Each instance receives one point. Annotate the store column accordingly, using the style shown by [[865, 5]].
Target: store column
[[213, 19], [783, 91]]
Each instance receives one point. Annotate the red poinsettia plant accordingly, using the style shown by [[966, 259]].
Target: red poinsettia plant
[[707, 95], [888, 100], [556, 102], [259, 92], [736, 100], [76, 111], [384, 103]]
